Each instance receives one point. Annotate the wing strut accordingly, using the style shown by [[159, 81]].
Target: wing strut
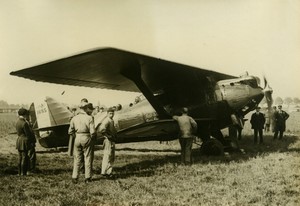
[[132, 70]]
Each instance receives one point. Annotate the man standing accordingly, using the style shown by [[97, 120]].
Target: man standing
[[31, 152], [83, 128], [108, 130], [280, 117], [188, 128], [258, 121], [24, 141]]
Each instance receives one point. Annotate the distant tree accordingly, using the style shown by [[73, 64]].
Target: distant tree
[[278, 100], [296, 100], [288, 101], [3, 103]]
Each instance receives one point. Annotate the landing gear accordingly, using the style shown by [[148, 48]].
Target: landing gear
[[219, 144], [212, 147]]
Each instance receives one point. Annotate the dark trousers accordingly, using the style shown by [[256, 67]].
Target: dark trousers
[[186, 150], [260, 132], [239, 133], [23, 162], [32, 159], [276, 134]]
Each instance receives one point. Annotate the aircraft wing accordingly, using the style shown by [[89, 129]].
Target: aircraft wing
[[162, 82], [105, 68]]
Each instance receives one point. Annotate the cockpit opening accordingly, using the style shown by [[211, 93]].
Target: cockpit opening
[[251, 81]]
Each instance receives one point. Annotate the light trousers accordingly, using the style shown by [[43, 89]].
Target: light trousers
[[108, 157], [83, 153]]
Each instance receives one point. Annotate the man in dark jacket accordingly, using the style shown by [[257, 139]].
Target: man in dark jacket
[[257, 122], [24, 141], [280, 117]]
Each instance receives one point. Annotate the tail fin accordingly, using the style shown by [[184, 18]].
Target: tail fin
[[49, 113], [32, 116]]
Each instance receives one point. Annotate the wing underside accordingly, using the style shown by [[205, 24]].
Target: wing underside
[[102, 68], [162, 82]]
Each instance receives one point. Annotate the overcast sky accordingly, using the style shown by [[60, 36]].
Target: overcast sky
[[233, 36]]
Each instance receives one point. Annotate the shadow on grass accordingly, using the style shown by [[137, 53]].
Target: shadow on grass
[[251, 150], [149, 165], [52, 150], [145, 168], [147, 150]]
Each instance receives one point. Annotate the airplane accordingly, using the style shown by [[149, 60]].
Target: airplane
[[215, 100]]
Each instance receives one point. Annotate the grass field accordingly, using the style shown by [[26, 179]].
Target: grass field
[[150, 174]]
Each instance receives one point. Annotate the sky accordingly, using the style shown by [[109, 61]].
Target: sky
[[261, 37]]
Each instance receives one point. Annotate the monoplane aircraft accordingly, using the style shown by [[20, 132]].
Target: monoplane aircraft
[[215, 100]]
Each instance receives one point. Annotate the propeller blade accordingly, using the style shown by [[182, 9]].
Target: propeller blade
[[265, 81], [268, 91]]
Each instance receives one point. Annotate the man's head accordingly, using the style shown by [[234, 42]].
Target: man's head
[[280, 107], [274, 107], [23, 112], [83, 105], [257, 109], [97, 109], [110, 112], [185, 110], [89, 108], [84, 100]]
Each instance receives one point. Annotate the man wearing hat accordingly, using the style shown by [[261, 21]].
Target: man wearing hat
[[188, 127], [280, 118], [24, 141], [257, 122], [83, 128], [109, 132]]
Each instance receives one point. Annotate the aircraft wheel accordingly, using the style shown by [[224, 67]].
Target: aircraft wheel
[[212, 147], [231, 145]]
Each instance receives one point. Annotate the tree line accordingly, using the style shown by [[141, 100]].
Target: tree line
[[287, 100], [4, 104]]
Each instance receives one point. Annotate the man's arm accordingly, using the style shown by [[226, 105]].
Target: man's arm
[[29, 133], [71, 127], [92, 127], [194, 125], [286, 116], [175, 117], [264, 118]]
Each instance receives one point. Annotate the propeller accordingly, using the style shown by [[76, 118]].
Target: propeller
[[268, 94]]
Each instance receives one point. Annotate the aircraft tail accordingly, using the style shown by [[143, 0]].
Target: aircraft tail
[[49, 113]]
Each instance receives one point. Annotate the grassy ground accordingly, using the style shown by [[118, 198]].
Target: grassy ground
[[150, 174]]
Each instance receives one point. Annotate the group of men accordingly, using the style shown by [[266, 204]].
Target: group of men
[[82, 132], [277, 119]]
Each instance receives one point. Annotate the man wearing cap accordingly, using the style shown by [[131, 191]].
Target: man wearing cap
[[24, 141], [257, 122], [280, 118], [188, 127], [108, 130], [83, 128]]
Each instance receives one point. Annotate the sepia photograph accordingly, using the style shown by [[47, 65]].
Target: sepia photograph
[[131, 103]]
